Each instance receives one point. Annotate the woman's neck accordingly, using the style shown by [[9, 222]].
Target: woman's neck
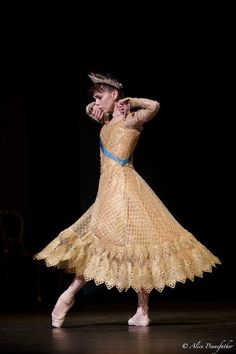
[[116, 113]]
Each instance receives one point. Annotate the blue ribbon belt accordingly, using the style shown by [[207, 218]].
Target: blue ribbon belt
[[112, 156]]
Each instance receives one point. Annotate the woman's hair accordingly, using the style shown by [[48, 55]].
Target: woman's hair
[[102, 86]]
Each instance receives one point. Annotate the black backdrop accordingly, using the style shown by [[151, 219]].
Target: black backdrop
[[50, 154]]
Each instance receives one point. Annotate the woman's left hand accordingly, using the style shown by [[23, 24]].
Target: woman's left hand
[[123, 106]]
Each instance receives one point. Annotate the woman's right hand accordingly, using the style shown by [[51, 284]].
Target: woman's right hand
[[98, 113]]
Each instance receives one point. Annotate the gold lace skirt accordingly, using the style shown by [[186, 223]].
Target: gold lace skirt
[[128, 239]]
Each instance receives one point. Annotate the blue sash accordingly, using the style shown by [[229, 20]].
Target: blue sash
[[112, 156]]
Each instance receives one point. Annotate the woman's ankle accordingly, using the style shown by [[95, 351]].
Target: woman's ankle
[[142, 310], [77, 284]]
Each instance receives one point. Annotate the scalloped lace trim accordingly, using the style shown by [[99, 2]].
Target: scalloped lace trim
[[132, 266]]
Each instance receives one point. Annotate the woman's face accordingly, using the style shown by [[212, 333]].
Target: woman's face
[[105, 100]]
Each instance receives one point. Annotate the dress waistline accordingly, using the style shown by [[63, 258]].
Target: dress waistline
[[109, 154]]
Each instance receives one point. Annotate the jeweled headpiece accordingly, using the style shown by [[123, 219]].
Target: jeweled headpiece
[[102, 79]]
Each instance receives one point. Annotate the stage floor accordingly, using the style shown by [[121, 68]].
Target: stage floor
[[102, 329]]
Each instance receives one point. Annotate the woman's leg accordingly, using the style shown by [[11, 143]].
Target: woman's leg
[[143, 297], [66, 301], [141, 317]]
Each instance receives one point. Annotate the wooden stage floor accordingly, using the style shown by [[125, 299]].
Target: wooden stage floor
[[102, 329]]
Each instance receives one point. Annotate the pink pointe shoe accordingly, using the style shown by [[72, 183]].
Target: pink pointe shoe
[[139, 319], [64, 304]]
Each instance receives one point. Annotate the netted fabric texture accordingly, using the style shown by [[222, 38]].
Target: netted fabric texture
[[127, 238]]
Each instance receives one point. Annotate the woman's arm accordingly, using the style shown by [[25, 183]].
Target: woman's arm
[[146, 110]]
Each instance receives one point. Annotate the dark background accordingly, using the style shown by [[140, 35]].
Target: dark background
[[49, 167]]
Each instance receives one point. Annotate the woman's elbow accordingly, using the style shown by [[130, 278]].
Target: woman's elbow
[[156, 106]]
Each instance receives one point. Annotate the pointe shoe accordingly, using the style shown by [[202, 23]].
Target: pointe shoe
[[139, 320], [57, 321], [134, 321]]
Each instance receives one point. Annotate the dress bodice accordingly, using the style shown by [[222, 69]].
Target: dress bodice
[[118, 144]]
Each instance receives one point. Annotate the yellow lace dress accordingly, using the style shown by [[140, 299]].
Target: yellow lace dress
[[127, 238]]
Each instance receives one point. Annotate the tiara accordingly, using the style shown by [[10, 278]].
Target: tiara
[[101, 79]]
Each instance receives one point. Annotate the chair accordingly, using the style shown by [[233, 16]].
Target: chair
[[20, 275]]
